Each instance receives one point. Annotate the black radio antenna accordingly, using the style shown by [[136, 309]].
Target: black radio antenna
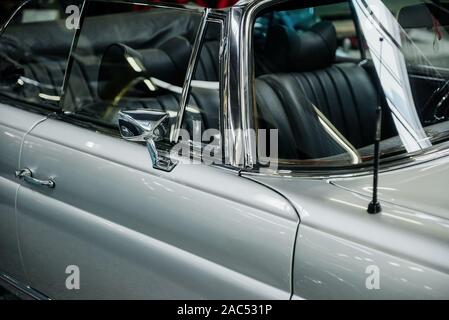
[[374, 206]]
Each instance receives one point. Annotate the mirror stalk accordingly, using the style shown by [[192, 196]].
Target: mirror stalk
[[146, 126]]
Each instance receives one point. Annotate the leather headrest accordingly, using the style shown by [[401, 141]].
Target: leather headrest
[[311, 50]]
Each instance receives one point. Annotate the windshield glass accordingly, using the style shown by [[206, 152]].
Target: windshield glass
[[320, 80], [409, 45]]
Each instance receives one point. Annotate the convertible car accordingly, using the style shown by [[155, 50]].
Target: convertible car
[[274, 149]]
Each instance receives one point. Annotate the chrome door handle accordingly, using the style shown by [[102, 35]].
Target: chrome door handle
[[27, 175]]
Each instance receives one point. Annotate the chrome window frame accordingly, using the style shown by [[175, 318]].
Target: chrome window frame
[[238, 114], [70, 59], [186, 88], [13, 14], [250, 10], [208, 16], [235, 117], [247, 11], [221, 19]]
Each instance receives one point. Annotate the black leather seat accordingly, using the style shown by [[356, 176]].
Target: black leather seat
[[308, 77]]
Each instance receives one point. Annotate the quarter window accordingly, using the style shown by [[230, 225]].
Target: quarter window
[[202, 115], [133, 57], [130, 57]]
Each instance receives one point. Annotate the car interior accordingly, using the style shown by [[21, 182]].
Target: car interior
[[311, 73], [345, 92], [296, 72], [163, 39]]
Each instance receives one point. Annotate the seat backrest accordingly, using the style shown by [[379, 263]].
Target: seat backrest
[[344, 93]]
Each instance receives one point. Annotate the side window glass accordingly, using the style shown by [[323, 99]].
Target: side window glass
[[313, 91], [202, 115], [34, 50], [130, 57], [329, 111]]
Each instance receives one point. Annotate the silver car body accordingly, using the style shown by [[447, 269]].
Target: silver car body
[[211, 232]]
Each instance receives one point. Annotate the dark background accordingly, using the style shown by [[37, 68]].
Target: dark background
[[4, 295], [8, 6]]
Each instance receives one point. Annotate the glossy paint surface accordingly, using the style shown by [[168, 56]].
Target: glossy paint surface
[[197, 232], [206, 232], [422, 188], [330, 267], [338, 240], [14, 124]]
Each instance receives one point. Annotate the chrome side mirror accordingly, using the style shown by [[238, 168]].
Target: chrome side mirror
[[147, 126]]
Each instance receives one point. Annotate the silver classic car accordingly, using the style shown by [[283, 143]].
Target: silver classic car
[[275, 149]]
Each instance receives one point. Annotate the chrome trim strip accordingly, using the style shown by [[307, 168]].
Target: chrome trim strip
[[71, 58], [20, 290], [5, 25], [246, 77], [246, 89], [234, 146], [194, 57], [322, 174], [223, 77]]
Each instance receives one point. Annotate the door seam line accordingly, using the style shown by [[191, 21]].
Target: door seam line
[[16, 212], [292, 263]]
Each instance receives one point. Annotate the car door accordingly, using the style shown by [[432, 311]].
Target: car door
[[14, 124], [98, 221], [31, 75]]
